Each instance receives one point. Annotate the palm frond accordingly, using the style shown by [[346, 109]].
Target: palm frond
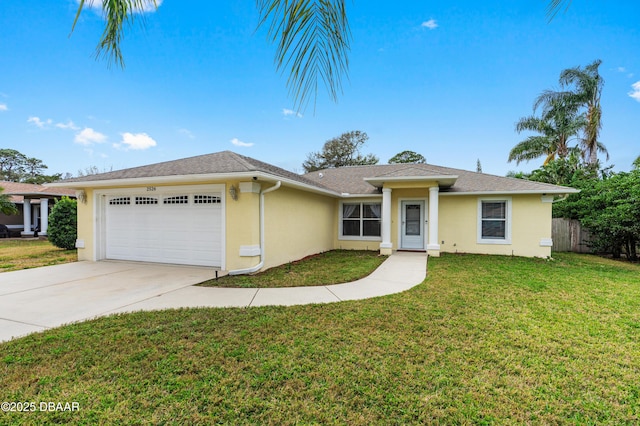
[[116, 13], [312, 41], [531, 148], [554, 7]]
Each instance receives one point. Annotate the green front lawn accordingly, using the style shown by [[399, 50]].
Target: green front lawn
[[332, 267], [29, 253], [484, 340]]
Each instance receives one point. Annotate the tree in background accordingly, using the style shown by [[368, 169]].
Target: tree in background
[[585, 91], [339, 152], [6, 206], [558, 123], [63, 224], [609, 208], [565, 114], [408, 157], [17, 167], [478, 166]]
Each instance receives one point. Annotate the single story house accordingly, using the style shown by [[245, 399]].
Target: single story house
[[239, 214], [34, 203]]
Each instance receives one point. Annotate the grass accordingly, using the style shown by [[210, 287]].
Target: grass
[[24, 254], [332, 267], [484, 340]]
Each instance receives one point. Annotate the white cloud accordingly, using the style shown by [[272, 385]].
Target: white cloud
[[289, 112], [4, 107], [187, 133], [147, 5], [36, 121], [635, 93], [431, 24], [69, 125], [88, 136], [238, 142], [136, 141]]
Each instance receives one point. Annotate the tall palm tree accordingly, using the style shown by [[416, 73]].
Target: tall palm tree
[[311, 37], [587, 92], [558, 123]]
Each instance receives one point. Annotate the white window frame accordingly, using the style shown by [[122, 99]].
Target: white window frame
[[355, 237], [508, 207]]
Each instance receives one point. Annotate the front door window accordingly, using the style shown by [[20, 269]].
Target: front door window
[[413, 220]]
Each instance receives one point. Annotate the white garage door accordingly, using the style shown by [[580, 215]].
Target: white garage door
[[171, 227]]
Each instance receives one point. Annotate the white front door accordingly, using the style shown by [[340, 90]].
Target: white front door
[[412, 226]]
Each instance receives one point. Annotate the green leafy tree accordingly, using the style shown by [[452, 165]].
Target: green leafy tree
[[17, 167], [608, 204], [6, 206], [408, 157], [311, 37], [63, 224], [569, 171], [339, 152]]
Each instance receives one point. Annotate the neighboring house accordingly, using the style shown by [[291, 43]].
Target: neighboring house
[[234, 212], [34, 203]]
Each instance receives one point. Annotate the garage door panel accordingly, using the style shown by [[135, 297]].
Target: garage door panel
[[185, 230]]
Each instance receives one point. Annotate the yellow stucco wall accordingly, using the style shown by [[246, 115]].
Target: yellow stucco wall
[[300, 223], [297, 224], [85, 226], [530, 222], [243, 226]]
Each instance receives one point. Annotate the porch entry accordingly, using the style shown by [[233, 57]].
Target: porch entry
[[412, 230]]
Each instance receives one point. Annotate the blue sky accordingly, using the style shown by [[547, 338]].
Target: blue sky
[[445, 79]]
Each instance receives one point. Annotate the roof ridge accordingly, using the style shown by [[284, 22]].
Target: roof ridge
[[241, 159]]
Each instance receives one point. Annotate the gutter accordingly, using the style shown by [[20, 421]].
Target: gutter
[[261, 264]]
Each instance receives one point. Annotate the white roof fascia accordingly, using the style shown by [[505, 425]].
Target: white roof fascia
[[178, 179], [446, 180], [521, 192]]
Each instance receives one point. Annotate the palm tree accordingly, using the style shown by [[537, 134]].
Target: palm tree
[[311, 37], [587, 92], [559, 121]]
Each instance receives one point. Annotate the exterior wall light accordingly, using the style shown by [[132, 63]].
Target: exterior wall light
[[233, 192]]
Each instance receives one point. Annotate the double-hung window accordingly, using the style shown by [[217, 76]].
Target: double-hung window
[[494, 221], [360, 220]]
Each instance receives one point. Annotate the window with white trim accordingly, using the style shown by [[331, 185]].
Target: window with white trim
[[360, 220], [494, 221]]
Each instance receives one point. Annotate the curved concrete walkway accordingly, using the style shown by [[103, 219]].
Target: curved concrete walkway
[[33, 300], [400, 272]]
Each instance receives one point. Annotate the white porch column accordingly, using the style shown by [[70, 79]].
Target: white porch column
[[44, 215], [386, 246], [26, 207], [433, 247]]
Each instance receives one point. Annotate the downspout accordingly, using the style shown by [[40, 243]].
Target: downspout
[[561, 198], [261, 264]]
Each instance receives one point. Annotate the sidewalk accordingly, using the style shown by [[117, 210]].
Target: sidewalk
[[400, 272]]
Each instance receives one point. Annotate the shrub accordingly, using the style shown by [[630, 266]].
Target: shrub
[[63, 224]]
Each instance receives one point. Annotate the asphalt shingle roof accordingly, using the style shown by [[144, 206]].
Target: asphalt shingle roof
[[225, 162], [16, 191], [352, 179], [341, 180]]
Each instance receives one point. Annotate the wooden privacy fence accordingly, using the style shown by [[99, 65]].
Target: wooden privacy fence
[[568, 235]]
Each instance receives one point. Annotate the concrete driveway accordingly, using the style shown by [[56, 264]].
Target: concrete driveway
[[36, 299]]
